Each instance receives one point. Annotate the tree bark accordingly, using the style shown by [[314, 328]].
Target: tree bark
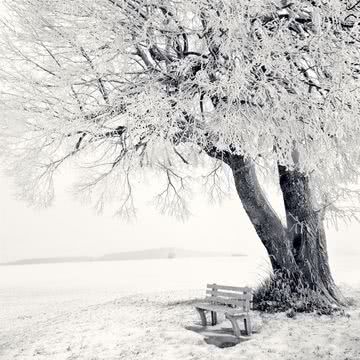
[[264, 219], [300, 248], [306, 232]]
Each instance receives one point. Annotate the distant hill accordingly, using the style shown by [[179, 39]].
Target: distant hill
[[51, 260], [161, 253]]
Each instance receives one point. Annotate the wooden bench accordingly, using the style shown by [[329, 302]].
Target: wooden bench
[[233, 302]]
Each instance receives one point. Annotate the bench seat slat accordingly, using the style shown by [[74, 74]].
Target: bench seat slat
[[226, 301], [222, 309]]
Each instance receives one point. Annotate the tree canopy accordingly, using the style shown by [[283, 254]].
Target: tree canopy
[[122, 85]]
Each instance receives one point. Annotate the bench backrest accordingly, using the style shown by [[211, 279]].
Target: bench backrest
[[239, 297]]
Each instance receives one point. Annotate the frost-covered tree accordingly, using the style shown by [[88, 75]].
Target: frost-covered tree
[[119, 86]]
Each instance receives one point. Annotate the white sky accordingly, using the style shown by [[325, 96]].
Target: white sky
[[70, 229]]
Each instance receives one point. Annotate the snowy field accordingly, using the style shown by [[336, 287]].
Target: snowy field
[[143, 310]]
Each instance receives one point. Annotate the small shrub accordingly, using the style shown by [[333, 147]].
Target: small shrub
[[287, 292]]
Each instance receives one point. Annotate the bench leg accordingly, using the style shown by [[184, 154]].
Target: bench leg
[[213, 318], [234, 324], [247, 323], [202, 316]]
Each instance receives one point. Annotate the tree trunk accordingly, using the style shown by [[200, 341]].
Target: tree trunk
[[264, 219], [306, 232], [299, 251]]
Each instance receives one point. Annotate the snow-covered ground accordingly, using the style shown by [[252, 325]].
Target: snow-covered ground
[[143, 310]]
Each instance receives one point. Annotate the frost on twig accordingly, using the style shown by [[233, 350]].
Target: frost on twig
[[172, 199]]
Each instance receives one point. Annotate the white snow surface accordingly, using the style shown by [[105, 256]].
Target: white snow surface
[[144, 310]]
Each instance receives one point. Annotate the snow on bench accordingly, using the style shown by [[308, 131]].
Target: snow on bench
[[234, 302]]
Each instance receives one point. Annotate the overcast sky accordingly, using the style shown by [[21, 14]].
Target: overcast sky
[[69, 229]]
